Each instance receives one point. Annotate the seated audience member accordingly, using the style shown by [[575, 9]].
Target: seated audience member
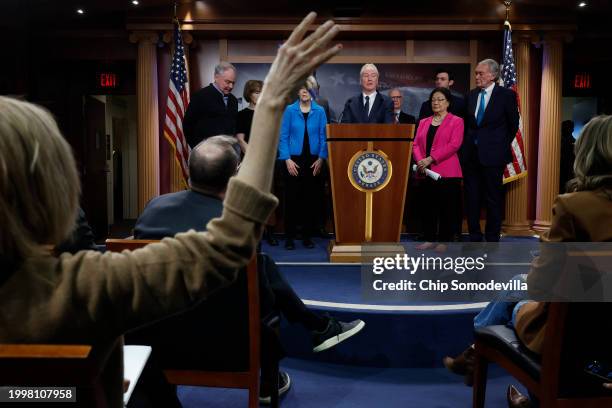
[[398, 115], [369, 106], [437, 142], [303, 148], [582, 215], [94, 298], [80, 239], [211, 164]]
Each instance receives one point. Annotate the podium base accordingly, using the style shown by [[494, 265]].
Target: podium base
[[363, 253]]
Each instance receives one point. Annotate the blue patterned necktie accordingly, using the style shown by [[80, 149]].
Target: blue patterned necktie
[[481, 107]]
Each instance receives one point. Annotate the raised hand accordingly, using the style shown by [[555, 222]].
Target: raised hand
[[298, 57]]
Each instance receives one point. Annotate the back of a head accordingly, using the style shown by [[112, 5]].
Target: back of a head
[[39, 184], [212, 163], [593, 163]]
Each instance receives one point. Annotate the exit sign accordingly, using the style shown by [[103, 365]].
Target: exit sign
[[107, 80], [582, 80]]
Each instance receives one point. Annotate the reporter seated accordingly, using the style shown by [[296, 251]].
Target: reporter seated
[[188, 339], [584, 214], [93, 298]]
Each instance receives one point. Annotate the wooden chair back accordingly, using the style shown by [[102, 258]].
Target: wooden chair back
[[54, 365], [247, 379]]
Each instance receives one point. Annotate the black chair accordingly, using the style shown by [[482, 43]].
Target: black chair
[[547, 376]]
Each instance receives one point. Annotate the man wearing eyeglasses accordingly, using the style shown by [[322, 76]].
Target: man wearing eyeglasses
[[398, 116], [369, 106]]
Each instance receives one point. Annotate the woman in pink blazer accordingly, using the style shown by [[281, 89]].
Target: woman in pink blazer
[[435, 148]]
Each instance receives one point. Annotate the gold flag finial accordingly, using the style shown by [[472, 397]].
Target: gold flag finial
[[508, 4]]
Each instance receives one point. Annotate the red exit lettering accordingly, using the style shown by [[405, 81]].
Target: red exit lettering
[[108, 80], [582, 80]]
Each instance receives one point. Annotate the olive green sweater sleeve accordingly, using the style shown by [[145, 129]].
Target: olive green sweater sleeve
[[122, 291]]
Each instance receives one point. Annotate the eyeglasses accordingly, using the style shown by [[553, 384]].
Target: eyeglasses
[[396, 97], [438, 100]]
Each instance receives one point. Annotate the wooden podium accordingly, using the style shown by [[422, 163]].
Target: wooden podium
[[369, 175]]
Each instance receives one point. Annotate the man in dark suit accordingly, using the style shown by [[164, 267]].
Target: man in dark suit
[[370, 106], [398, 115], [491, 125], [213, 109], [216, 335], [444, 79]]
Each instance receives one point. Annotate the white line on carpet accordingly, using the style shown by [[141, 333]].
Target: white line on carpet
[[420, 308]]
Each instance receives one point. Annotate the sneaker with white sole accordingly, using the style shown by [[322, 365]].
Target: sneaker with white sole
[[284, 383], [336, 332]]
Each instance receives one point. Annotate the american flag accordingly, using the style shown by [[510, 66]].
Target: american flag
[[178, 99], [518, 167]]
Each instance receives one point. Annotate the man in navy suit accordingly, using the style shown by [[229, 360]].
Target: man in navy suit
[[444, 79], [491, 124], [369, 106]]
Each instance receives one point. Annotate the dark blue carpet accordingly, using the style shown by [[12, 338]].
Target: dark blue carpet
[[319, 252], [321, 385]]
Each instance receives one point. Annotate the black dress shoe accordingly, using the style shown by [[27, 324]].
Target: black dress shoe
[[289, 244], [516, 399], [308, 243]]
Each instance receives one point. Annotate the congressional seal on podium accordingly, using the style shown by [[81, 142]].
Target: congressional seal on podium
[[369, 171]]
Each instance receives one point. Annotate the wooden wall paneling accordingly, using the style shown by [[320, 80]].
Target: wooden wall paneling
[[473, 62], [441, 48], [409, 50], [223, 49], [285, 29], [203, 58], [239, 48]]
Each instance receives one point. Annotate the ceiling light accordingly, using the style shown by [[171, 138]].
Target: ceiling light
[[80, 11], [135, 2], [582, 4]]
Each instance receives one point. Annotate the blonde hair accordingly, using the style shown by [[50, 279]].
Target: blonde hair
[[593, 163], [39, 184]]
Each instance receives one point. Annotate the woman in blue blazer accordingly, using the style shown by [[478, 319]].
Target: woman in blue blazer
[[303, 147]]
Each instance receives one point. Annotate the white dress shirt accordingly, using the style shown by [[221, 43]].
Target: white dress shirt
[[489, 91]]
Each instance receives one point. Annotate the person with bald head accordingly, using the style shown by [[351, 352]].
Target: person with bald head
[[370, 106], [398, 115], [211, 165]]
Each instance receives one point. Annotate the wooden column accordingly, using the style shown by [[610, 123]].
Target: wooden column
[[148, 117], [549, 144], [516, 222]]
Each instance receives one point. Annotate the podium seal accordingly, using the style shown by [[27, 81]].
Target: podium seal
[[369, 171]]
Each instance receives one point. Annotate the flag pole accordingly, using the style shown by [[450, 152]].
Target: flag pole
[[508, 4]]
